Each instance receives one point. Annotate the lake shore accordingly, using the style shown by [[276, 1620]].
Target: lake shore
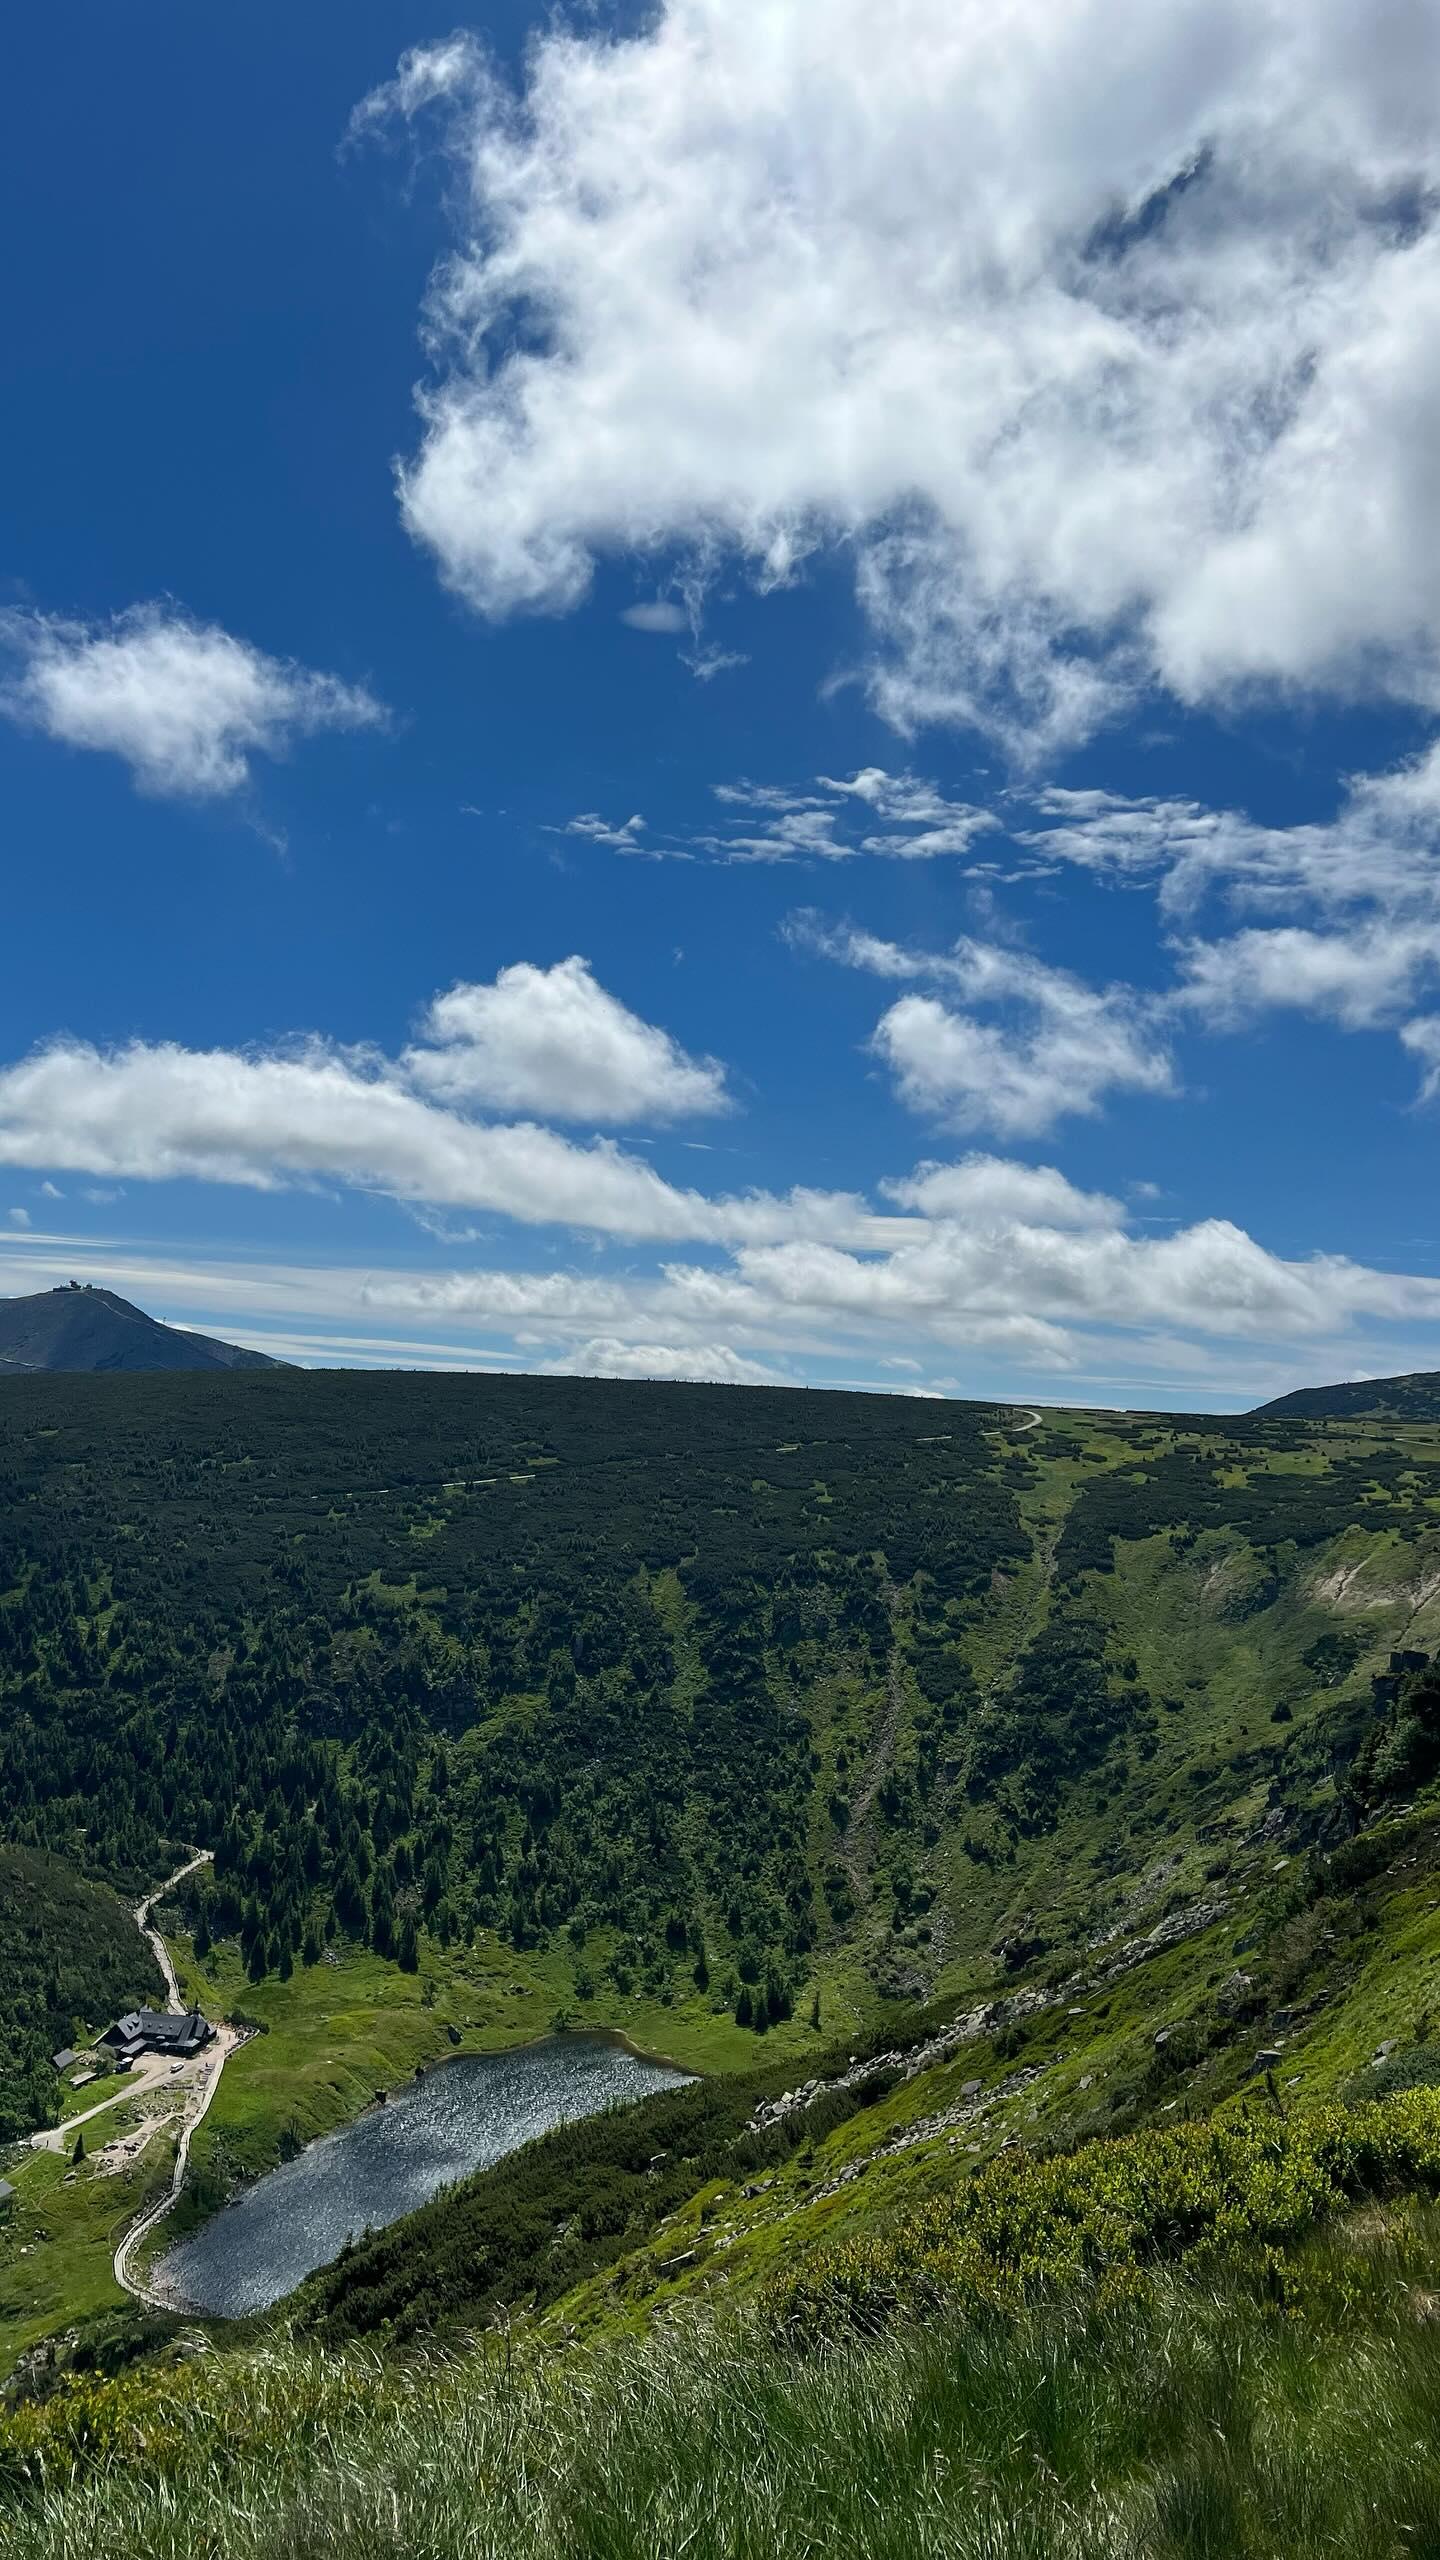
[[449, 2122]]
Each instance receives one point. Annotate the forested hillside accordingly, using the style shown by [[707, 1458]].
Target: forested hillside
[[70, 1957], [1413, 1398], [690, 1688], [480, 1653]]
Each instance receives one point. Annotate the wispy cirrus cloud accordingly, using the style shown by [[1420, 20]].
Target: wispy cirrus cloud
[[1422, 1039], [895, 816], [427, 75], [706, 663], [623, 836], [1348, 907], [1378, 851], [1004, 1265]]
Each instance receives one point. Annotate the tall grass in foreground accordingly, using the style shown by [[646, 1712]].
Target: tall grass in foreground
[[1188, 2420]]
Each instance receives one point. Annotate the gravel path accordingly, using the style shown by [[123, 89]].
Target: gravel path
[[196, 2089]]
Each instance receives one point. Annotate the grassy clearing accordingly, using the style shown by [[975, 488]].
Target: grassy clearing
[[57, 2242], [96, 2093], [336, 2033]]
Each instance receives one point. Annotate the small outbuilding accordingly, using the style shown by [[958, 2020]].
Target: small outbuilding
[[63, 2059], [7, 2195]]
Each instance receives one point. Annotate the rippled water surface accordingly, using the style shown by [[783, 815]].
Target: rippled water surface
[[458, 2118]]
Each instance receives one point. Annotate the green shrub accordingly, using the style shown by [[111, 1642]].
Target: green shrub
[[1414, 2066], [1237, 2189]]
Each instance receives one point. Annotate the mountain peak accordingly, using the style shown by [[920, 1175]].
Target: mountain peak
[[79, 1326]]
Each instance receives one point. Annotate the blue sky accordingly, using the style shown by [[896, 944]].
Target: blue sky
[[687, 696]]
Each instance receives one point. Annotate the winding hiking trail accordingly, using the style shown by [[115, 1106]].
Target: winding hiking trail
[[143, 1909], [155, 2067], [199, 2087]]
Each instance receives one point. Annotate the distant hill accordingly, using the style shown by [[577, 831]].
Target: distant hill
[[84, 1328], [1415, 1398]]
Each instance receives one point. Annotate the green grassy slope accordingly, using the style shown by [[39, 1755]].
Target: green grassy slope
[[1133, 1933], [1268, 1997], [1179, 2418]]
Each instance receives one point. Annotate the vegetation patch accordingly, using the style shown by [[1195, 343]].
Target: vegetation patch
[[1241, 2188], [1195, 2418]]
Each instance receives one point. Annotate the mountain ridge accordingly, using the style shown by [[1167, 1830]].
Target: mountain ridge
[[1413, 1396]]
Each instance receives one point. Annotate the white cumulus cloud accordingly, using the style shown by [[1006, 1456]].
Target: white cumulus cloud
[[958, 1275], [997, 1188], [315, 1113], [1058, 1046], [1001, 1268], [1105, 337], [184, 703], [658, 616], [1359, 979], [1018, 1081], [555, 1042]]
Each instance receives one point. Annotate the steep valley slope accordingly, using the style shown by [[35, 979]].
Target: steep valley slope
[[771, 1728]]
